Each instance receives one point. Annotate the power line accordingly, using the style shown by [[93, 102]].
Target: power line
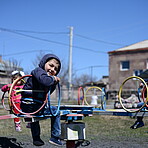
[[90, 67], [23, 52], [55, 42], [47, 32], [88, 49], [39, 32], [88, 38], [37, 38]]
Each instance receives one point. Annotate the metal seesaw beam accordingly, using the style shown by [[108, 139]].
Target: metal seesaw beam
[[119, 112]]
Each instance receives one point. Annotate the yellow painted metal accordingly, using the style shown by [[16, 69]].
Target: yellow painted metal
[[120, 92]]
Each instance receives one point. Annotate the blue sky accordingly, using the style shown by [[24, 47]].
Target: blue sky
[[99, 26]]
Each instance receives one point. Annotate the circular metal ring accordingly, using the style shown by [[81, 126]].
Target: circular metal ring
[[120, 91]]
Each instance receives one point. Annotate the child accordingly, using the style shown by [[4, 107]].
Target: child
[[139, 122], [17, 96], [44, 78]]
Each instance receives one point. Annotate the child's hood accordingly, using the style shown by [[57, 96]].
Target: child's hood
[[46, 58]]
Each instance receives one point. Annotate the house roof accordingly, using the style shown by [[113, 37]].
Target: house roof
[[143, 45]]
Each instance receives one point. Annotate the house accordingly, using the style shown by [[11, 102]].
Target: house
[[127, 61]]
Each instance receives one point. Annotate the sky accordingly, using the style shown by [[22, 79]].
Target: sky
[[29, 28]]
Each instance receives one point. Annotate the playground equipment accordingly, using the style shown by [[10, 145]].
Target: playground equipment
[[73, 130], [94, 96], [3, 102], [133, 104], [46, 102], [137, 100], [12, 101]]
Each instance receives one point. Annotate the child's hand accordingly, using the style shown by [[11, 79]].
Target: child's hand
[[9, 85], [57, 79]]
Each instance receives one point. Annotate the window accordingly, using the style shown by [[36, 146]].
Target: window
[[124, 65], [137, 72]]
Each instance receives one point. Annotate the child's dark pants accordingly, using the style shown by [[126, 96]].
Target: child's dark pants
[[35, 126]]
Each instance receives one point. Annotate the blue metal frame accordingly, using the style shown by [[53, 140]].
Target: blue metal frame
[[59, 102]]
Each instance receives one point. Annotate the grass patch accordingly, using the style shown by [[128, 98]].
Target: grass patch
[[114, 128], [109, 128]]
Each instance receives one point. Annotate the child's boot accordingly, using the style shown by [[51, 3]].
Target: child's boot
[[18, 126], [37, 141]]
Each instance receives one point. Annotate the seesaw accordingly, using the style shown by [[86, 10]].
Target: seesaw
[[71, 132], [99, 107], [72, 113]]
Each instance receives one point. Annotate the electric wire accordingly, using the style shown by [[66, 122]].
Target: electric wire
[[22, 34], [91, 67], [96, 40], [46, 32], [37, 38], [40, 32], [18, 32], [23, 52]]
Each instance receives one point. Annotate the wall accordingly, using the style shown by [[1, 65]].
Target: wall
[[138, 60]]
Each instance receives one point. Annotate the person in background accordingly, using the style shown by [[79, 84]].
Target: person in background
[[16, 97], [139, 121]]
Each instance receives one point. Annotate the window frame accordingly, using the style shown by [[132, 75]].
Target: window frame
[[122, 65]]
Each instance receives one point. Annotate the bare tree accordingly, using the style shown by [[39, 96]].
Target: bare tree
[[64, 74], [38, 58], [83, 79], [11, 65]]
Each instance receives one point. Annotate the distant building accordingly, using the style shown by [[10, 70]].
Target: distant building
[[127, 61], [103, 82]]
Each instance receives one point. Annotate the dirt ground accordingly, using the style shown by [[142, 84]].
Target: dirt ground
[[108, 132], [98, 139], [10, 142], [13, 143]]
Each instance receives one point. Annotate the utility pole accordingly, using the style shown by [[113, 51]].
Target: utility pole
[[91, 71], [70, 63]]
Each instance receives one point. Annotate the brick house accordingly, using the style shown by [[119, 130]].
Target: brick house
[[127, 61]]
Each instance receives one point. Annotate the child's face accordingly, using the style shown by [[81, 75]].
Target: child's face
[[51, 67], [17, 77], [14, 78]]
